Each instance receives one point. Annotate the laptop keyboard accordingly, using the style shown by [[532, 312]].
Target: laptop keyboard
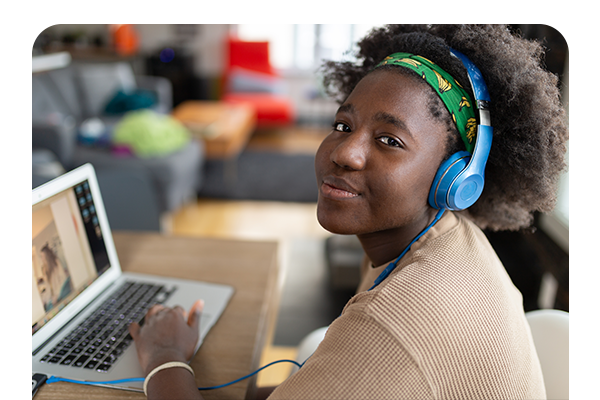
[[97, 342]]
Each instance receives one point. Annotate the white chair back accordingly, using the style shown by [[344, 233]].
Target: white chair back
[[308, 345], [550, 331]]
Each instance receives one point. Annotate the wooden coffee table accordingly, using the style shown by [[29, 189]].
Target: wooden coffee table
[[224, 128]]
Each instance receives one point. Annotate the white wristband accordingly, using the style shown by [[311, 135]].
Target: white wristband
[[172, 364]]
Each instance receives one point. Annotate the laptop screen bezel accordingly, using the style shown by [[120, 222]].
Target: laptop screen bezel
[[47, 190]]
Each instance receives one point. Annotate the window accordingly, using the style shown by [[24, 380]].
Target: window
[[305, 46]]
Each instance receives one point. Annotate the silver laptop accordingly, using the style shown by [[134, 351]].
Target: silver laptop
[[82, 303]]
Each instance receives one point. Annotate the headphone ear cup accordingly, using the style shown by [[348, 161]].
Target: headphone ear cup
[[445, 176]]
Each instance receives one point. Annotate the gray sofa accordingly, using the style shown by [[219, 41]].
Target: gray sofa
[[67, 100]]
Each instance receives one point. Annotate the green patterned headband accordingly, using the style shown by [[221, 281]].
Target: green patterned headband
[[457, 100]]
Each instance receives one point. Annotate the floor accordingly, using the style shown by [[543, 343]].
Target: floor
[[307, 303]]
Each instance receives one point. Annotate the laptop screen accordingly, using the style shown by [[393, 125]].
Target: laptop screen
[[68, 251]]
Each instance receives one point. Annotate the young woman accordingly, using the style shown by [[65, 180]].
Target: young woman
[[435, 315]]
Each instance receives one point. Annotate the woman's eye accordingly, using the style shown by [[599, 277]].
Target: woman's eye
[[340, 127], [389, 141]]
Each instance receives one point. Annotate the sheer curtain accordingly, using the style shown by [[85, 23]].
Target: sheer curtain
[[303, 47]]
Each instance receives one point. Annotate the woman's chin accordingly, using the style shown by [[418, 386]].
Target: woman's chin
[[334, 225]]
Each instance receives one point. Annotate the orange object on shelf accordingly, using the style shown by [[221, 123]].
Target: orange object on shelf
[[125, 39]]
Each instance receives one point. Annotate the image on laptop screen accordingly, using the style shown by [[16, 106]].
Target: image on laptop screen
[[68, 251]]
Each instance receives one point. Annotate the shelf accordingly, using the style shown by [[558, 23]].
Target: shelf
[[48, 62]]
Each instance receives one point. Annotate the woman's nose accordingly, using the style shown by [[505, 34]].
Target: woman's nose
[[351, 152]]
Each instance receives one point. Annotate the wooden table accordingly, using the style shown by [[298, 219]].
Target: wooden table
[[224, 128], [234, 345]]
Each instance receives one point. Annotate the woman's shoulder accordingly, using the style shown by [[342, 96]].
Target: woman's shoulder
[[448, 300], [453, 277], [456, 246]]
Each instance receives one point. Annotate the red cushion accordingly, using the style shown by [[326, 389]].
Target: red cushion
[[270, 109], [249, 55]]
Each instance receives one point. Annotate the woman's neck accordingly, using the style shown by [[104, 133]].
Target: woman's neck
[[384, 246]]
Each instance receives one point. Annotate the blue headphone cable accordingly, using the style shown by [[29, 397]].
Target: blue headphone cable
[[388, 270], [53, 379]]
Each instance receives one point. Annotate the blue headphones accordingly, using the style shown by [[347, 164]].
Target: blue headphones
[[459, 181]]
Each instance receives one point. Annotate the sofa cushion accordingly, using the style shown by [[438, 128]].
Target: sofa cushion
[[176, 176], [100, 82], [122, 102], [149, 134], [241, 80], [55, 92]]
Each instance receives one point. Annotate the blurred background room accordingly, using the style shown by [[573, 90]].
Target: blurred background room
[[211, 130]]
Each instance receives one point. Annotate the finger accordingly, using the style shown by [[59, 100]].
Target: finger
[[194, 314], [154, 309], [181, 311], [134, 330]]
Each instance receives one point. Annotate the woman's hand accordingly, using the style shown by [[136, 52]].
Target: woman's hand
[[168, 334]]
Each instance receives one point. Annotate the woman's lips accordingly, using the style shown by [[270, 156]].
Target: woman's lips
[[336, 188]]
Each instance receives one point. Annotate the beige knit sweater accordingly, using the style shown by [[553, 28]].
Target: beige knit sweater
[[448, 323]]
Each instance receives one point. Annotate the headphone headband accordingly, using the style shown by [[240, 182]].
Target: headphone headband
[[457, 100], [460, 179]]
